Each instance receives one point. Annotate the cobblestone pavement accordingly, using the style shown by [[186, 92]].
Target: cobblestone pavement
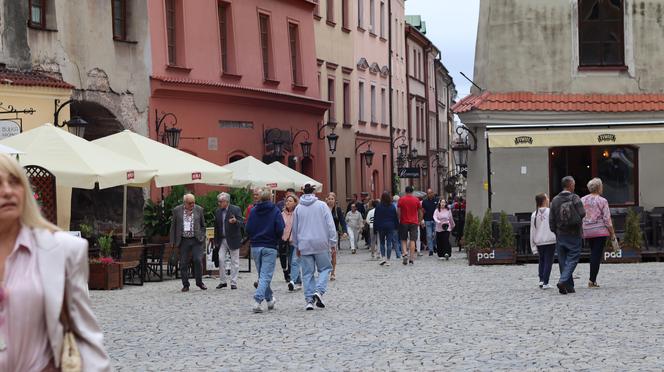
[[433, 316]]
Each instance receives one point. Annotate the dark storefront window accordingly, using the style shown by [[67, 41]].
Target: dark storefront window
[[617, 166]]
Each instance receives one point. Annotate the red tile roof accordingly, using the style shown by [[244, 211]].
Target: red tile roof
[[31, 79], [528, 101]]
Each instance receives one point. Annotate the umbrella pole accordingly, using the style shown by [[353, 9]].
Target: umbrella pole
[[124, 214]]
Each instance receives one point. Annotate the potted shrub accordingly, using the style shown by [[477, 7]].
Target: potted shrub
[[484, 251], [469, 231], [630, 246], [105, 273]]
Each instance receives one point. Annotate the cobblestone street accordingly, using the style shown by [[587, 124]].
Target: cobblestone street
[[432, 316]]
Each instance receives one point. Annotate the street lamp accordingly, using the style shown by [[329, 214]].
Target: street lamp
[[170, 135], [368, 155], [76, 125], [461, 146], [305, 145], [331, 138]]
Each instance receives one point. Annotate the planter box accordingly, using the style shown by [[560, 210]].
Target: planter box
[[624, 255], [105, 276], [491, 256]]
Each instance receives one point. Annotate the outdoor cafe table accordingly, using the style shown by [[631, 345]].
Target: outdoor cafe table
[[152, 262]]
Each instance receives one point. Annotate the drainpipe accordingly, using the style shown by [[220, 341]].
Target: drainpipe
[[389, 64]]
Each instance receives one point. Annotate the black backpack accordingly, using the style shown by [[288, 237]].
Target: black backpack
[[568, 216]]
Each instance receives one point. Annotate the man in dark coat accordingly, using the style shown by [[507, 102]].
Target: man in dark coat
[[228, 224]]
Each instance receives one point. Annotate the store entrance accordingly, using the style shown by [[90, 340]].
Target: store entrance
[[570, 161]]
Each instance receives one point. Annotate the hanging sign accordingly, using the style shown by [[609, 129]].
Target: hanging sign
[[413, 172], [9, 128]]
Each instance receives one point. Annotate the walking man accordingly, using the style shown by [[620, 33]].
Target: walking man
[[265, 228], [188, 235], [565, 220], [228, 223], [314, 234], [410, 215], [429, 205]]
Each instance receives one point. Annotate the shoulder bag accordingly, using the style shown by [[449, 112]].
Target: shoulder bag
[[70, 360]]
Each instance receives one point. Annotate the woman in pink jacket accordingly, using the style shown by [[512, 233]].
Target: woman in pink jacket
[[444, 225], [597, 226]]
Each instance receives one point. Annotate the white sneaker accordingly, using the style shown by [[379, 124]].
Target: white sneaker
[[318, 298], [387, 263], [547, 286], [291, 286], [310, 306], [257, 307], [541, 284], [383, 262], [270, 304]]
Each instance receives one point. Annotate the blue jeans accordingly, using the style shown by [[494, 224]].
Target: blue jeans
[[396, 243], [310, 263], [569, 251], [295, 275], [431, 234], [388, 238], [265, 259]]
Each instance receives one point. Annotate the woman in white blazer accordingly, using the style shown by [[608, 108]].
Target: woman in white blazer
[[542, 240], [39, 265]]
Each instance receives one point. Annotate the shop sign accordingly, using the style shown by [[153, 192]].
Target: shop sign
[[606, 137], [9, 128], [409, 172], [523, 140]]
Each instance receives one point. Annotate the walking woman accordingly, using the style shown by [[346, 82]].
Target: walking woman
[[386, 224], [597, 226], [340, 224], [444, 226], [293, 260], [542, 240], [38, 302], [354, 222]]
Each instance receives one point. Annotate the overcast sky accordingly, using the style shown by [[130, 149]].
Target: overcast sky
[[452, 27]]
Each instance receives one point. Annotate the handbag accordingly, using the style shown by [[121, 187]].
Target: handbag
[[70, 360]]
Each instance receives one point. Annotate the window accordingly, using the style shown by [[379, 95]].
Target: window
[[331, 98], [171, 31], [373, 104], [382, 19], [293, 37], [360, 13], [317, 9], [383, 107], [346, 102], [348, 179], [224, 34], [333, 174], [344, 14], [119, 10], [264, 24], [360, 93], [372, 16], [601, 33], [617, 166], [330, 11], [38, 13]]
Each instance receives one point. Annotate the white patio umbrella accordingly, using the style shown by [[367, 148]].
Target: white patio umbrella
[[9, 150], [251, 172], [298, 178], [174, 167], [76, 162]]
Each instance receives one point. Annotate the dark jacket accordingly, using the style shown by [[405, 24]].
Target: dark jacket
[[429, 206], [385, 217], [339, 220], [554, 219], [265, 226], [233, 232], [177, 226]]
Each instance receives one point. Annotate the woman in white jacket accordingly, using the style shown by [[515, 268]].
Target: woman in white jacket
[[354, 222], [542, 240]]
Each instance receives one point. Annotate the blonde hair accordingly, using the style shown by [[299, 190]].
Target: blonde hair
[[594, 185], [30, 215]]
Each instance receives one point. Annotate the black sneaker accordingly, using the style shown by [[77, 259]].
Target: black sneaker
[[222, 285], [255, 284], [318, 298], [570, 290], [405, 260], [430, 254], [291, 286], [411, 262], [233, 286], [562, 288]]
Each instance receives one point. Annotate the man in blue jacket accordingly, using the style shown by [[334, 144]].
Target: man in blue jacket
[[265, 228], [313, 235]]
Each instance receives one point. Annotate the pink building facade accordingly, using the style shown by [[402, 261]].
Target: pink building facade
[[239, 75]]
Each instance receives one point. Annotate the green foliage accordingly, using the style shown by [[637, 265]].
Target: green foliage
[[105, 242], [470, 230], [157, 218], [484, 237], [505, 233], [209, 204], [241, 197], [86, 230], [396, 184], [633, 237]]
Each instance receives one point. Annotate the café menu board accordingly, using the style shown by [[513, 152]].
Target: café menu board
[[9, 128]]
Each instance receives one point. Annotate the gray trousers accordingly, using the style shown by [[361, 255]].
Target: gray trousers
[[191, 246]]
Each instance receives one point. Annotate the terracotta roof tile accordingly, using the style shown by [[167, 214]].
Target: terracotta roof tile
[[529, 101], [31, 79]]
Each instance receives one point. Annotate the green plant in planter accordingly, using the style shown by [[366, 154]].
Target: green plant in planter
[[241, 197], [505, 233], [86, 230], [633, 238], [484, 234], [105, 243], [470, 230], [157, 217]]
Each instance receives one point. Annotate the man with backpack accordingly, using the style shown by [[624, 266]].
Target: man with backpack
[[565, 220]]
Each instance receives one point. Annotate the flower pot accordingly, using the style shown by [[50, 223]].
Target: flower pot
[[105, 276], [491, 256], [624, 255]]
